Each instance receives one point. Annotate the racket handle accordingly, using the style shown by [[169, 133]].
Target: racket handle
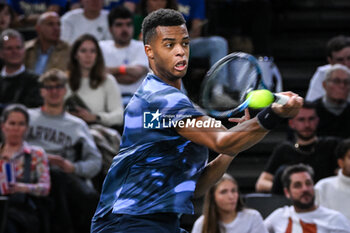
[[281, 99]]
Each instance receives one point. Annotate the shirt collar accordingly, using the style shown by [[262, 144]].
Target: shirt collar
[[5, 74]]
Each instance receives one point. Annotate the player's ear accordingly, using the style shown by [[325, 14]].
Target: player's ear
[[149, 51]]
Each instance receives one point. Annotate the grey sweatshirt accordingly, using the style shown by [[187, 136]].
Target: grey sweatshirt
[[68, 136]]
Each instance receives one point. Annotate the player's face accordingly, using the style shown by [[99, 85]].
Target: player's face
[[226, 196], [344, 164], [13, 51], [49, 29], [340, 57], [301, 190], [337, 87], [305, 123], [92, 5], [86, 55], [168, 52], [53, 93], [122, 31], [14, 127]]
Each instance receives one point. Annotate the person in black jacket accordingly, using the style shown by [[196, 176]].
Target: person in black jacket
[[17, 84]]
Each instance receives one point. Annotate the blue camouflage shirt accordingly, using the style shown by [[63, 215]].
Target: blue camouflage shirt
[[156, 169]]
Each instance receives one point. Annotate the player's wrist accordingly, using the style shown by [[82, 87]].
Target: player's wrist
[[268, 119]]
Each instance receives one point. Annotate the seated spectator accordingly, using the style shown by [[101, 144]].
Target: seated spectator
[[91, 19], [31, 181], [338, 52], [125, 57], [7, 16], [94, 96], [304, 215], [318, 152], [47, 51], [89, 81], [72, 154], [109, 5], [224, 211], [333, 108], [212, 47], [17, 84], [29, 11], [334, 192]]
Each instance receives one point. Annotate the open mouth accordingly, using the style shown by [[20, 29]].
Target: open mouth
[[181, 65]]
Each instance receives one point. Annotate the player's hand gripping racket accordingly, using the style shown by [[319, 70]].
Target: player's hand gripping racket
[[234, 83]]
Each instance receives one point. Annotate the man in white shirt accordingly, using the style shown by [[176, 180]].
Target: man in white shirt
[[92, 19], [125, 57], [334, 192], [338, 52], [304, 215]]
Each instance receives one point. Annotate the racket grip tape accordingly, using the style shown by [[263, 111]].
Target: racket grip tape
[[281, 99], [268, 119]]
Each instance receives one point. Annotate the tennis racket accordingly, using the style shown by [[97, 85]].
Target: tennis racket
[[226, 85]]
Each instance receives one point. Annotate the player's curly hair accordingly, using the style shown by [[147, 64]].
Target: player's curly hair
[[161, 17]]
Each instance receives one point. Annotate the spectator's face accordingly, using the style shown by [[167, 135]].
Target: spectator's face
[[13, 51], [301, 190], [49, 29], [305, 123], [168, 52], [14, 127], [344, 164], [337, 87], [5, 18], [92, 5], [122, 31], [53, 93], [86, 55], [226, 196], [153, 5], [340, 57]]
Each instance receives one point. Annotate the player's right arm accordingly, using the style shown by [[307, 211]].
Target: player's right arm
[[241, 137], [264, 183]]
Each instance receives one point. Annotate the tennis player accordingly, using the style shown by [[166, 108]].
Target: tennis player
[[162, 162]]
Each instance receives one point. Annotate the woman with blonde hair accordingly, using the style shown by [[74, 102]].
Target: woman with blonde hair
[[224, 212]]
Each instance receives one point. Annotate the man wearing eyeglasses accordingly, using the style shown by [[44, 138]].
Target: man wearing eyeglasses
[[125, 57], [333, 108], [17, 84], [73, 156]]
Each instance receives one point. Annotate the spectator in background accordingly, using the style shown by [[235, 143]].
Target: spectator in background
[[318, 152], [110, 4], [224, 211], [89, 81], [333, 108], [338, 52], [334, 192], [7, 16], [17, 84], [47, 51], [72, 154], [125, 57], [304, 215], [91, 19], [31, 171], [212, 47], [29, 11], [144, 7]]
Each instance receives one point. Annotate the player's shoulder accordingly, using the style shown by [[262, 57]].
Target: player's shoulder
[[136, 43], [106, 44]]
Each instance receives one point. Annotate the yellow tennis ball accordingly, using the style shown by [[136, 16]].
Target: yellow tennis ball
[[260, 98]]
